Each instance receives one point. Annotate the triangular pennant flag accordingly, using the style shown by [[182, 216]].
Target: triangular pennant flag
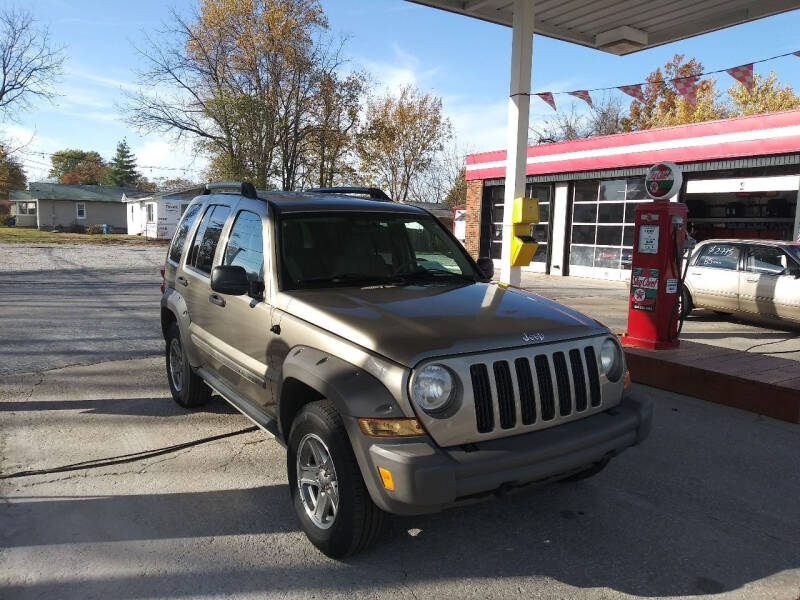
[[796, 53], [633, 90], [744, 74], [583, 95], [687, 87], [548, 97]]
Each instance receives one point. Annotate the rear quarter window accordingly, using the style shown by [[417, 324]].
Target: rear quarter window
[[182, 231]]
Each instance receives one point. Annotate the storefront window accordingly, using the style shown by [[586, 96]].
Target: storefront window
[[602, 222]]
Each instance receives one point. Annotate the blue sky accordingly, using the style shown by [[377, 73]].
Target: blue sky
[[464, 61]]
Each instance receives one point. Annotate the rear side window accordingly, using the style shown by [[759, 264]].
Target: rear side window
[[179, 240], [719, 256], [766, 260], [201, 256], [245, 246]]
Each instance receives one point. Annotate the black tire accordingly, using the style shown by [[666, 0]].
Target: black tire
[[685, 306], [190, 391], [356, 523]]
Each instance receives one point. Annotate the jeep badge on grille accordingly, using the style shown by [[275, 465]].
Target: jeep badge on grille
[[533, 337]]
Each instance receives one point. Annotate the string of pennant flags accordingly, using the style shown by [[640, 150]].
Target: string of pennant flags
[[685, 86]]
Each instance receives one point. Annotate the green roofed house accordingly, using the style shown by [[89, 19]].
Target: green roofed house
[[61, 206]]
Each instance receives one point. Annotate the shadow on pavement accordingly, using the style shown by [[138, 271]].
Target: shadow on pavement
[[573, 534], [138, 407], [148, 516]]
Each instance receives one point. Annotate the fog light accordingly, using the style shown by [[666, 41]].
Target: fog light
[[386, 477], [391, 427]]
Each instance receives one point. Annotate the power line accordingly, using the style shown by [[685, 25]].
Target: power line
[[704, 74], [51, 154]]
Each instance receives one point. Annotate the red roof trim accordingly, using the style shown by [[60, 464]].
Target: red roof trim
[[721, 126]]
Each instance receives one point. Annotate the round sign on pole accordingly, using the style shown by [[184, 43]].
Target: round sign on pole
[[663, 180]]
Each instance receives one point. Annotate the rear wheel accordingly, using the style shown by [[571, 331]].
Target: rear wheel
[[328, 492], [188, 389]]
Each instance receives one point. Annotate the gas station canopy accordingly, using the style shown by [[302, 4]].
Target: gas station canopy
[[621, 26]]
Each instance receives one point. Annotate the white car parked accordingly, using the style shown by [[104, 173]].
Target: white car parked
[[755, 277]]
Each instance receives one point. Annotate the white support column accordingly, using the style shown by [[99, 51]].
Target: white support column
[[519, 102], [796, 231], [558, 218]]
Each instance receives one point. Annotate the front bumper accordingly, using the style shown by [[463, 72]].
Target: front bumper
[[428, 478]]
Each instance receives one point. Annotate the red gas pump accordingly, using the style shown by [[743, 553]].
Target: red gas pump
[[660, 240]]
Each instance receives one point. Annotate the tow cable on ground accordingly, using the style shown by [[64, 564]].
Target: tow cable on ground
[[127, 458]]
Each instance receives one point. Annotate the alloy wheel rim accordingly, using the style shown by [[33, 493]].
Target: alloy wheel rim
[[317, 481], [176, 364]]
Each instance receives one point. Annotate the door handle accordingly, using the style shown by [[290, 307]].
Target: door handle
[[752, 280], [216, 299], [182, 280]]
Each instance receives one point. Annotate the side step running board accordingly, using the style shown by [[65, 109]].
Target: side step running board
[[245, 407]]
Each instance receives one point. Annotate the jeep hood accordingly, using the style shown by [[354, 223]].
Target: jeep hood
[[410, 323]]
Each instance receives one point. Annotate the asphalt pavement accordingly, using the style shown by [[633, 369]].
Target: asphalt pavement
[[706, 506]]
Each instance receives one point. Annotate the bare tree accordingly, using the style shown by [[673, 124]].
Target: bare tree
[[242, 79], [400, 138], [441, 177], [603, 118], [29, 63]]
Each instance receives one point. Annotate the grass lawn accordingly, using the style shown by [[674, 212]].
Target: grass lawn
[[22, 235]]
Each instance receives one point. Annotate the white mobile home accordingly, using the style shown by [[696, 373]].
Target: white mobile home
[[157, 215]]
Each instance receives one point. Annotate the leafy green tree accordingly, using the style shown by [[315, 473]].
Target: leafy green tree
[[65, 161], [766, 96], [12, 176], [122, 168]]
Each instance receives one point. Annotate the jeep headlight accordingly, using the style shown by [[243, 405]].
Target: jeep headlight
[[433, 388], [611, 360]]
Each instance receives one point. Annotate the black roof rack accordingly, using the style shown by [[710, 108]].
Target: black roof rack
[[245, 188], [373, 193]]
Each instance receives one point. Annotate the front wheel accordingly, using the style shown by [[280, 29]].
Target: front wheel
[[684, 303], [328, 492]]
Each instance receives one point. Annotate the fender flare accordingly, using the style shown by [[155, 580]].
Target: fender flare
[[355, 392], [175, 303]]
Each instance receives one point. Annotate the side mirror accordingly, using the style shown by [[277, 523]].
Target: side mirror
[[486, 267], [229, 279]]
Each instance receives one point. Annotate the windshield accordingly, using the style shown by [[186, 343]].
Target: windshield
[[358, 249], [794, 251]]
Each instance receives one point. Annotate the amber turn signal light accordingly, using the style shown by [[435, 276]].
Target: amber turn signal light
[[386, 478], [391, 427], [627, 383]]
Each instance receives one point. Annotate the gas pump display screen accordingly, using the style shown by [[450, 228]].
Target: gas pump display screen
[[648, 239]]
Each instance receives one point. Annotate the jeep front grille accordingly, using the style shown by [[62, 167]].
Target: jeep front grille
[[559, 385]]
